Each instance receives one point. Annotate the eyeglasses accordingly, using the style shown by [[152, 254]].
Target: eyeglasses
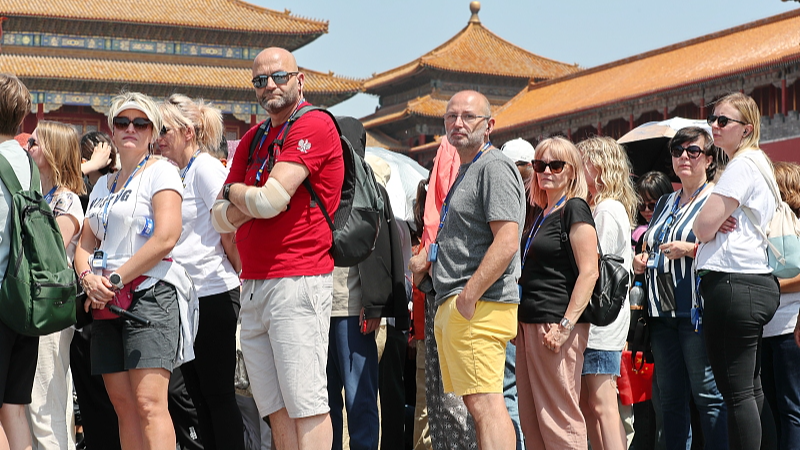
[[163, 132], [692, 151], [451, 118], [645, 206], [139, 123], [556, 167], [32, 143], [522, 163], [280, 77], [722, 120]]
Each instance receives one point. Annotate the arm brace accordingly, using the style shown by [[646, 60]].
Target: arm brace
[[267, 201], [219, 217]]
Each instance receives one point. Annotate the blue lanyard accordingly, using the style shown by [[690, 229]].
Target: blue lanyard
[[446, 204], [260, 172], [49, 196], [186, 170], [106, 209], [535, 228], [673, 215]]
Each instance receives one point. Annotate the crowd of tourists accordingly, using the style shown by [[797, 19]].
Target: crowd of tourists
[[216, 309]]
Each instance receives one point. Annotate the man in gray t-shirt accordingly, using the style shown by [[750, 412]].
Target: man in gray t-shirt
[[475, 266]]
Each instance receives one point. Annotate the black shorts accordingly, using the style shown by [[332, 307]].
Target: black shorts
[[119, 344], [18, 356]]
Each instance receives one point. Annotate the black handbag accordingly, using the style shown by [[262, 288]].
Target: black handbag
[[611, 287]]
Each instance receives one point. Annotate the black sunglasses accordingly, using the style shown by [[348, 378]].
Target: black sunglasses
[[649, 205], [31, 143], [281, 77], [522, 163], [555, 166], [693, 151], [163, 132], [139, 123], [722, 120]]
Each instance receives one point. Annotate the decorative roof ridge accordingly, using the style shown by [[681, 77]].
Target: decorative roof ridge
[[669, 48]]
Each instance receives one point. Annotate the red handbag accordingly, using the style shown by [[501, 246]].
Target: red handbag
[[122, 298], [635, 383]]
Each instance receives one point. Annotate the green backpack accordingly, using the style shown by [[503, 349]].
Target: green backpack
[[37, 296]]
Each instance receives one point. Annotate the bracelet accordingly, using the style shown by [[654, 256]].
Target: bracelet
[[83, 275], [226, 191]]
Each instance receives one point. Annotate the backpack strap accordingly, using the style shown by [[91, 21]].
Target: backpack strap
[[770, 179], [259, 134], [11, 180], [279, 142], [307, 183], [565, 240]]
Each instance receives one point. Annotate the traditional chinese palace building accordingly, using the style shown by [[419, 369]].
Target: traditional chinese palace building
[[761, 59], [413, 97], [75, 55]]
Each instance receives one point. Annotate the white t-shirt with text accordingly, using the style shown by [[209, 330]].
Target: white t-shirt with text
[[119, 240]]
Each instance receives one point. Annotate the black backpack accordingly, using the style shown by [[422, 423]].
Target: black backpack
[[356, 222], [611, 287], [37, 296]]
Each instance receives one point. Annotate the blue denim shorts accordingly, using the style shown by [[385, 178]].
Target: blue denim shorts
[[601, 362]]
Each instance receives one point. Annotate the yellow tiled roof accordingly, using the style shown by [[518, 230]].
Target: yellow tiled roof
[[376, 138], [477, 50], [26, 66], [425, 106], [759, 43], [216, 14], [433, 145]]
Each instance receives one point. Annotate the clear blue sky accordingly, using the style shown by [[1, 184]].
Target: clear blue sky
[[372, 36]]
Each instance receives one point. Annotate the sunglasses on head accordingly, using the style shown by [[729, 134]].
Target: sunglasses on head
[[722, 121], [693, 151], [280, 77], [555, 166], [139, 123], [645, 206], [32, 143]]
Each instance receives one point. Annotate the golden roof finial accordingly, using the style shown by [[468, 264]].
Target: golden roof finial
[[474, 7]]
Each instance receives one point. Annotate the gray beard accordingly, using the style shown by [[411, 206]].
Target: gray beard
[[279, 104]]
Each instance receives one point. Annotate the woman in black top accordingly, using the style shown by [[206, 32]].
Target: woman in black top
[[550, 341]]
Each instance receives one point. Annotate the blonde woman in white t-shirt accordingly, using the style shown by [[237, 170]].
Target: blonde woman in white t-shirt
[[55, 149], [126, 259], [613, 200], [212, 260], [739, 292]]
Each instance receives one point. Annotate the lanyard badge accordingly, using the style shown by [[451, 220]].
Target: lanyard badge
[[433, 249], [433, 252]]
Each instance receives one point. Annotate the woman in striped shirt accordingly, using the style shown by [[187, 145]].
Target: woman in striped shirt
[[681, 362]]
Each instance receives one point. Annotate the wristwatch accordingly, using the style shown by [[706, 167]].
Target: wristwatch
[[226, 191], [116, 281], [565, 323]]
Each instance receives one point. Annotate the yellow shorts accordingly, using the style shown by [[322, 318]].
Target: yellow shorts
[[472, 353]]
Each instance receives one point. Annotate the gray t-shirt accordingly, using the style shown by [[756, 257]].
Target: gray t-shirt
[[491, 190]]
